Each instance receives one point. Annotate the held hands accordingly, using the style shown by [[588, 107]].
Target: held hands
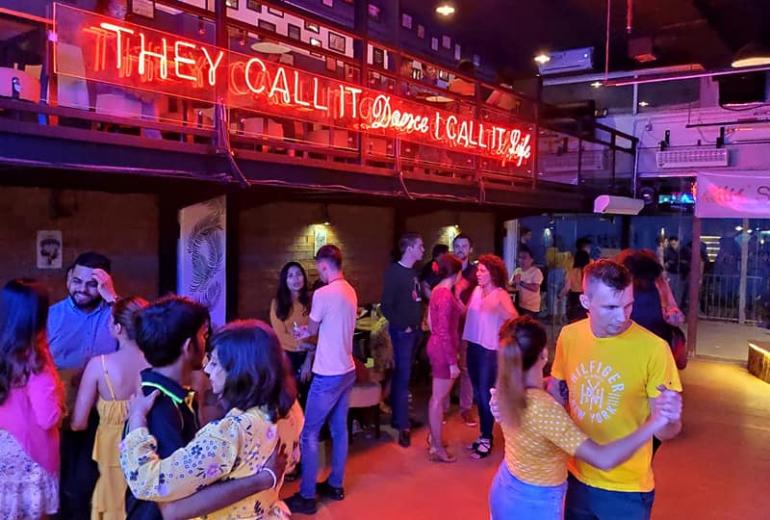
[[494, 405], [454, 371], [105, 286], [668, 406], [277, 461]]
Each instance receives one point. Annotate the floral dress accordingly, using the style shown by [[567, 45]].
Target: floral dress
[[236, 446]]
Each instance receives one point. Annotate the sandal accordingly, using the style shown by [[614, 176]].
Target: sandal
[[437, 456], [428, 440], [483, 449]]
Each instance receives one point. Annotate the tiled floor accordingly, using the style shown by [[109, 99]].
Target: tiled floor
[[719, 469]]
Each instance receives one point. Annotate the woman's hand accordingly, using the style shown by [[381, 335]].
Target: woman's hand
[[138, 407], [306, 372], [278, 461], [454, 371]]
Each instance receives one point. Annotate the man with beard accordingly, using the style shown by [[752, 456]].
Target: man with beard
[[78, 329]]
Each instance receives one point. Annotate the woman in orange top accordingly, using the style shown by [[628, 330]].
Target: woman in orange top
[[539, 433]]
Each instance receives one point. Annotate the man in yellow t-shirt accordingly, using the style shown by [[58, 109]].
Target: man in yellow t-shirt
[[613, 370]]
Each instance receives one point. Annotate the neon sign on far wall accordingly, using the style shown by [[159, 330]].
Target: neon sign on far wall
[[137, 57]]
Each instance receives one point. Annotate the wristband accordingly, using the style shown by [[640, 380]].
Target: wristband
[[272, 474]]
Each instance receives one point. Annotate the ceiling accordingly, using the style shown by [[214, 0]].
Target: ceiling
[[511, 32]]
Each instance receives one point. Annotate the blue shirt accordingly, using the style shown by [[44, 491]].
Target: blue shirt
[[75, 336]]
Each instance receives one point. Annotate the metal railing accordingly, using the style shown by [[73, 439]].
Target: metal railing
[[720, 297]]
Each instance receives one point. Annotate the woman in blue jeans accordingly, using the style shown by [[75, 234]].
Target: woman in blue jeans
[[539, 434], [489, 307]]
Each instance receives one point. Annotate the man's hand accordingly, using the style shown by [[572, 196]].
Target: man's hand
[[494, 406], [138, 408], [278, 461], [105, 287], [669, 404]]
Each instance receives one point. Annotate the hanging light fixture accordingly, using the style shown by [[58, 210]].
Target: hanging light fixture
[[446, 8], [753, 54]]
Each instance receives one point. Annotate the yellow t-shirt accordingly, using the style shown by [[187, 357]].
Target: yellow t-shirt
[[536, 451], [610, 382]]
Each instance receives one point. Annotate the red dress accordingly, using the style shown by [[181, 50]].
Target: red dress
[[444, 341]]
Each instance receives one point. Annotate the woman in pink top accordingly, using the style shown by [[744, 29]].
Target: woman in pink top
[[489, 307], [444, 318], [31, 405]]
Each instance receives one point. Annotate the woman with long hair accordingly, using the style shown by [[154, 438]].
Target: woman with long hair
[[489, 307], [289, 316], [109, 381], [573, 287], [31, 405], [252, 377], [539, 433], [443, 347]]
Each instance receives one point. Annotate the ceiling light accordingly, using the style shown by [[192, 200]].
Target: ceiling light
[[596, 84], [752, 54], [446, 9], [542, 58], [643, 104]]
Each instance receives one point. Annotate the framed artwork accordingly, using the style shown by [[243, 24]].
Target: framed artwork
[[145, 8], [421, 31], [232, 4], [443, 75], [275, 12], [264, 24], [312, 27], [375, 12], [446, 42], [434, 44], [406, 21], [328, 3], [294, 32], [378, 57], [331, 64], [336, 42], [253, 5], [457, 51]]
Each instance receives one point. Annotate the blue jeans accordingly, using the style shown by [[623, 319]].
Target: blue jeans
[[482, 367], [589, 503], [328, 399], [403, 355], [510, 498]]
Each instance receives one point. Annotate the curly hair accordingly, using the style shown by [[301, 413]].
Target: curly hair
[[497, 270]]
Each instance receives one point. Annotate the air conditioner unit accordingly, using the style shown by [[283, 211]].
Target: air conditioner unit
[[697, 158], [610, 204], [573, 60], [592, 161]]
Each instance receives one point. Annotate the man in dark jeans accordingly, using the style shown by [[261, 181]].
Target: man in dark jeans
[[401, 306]]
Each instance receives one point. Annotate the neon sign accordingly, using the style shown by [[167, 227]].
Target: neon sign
[[138, 57]]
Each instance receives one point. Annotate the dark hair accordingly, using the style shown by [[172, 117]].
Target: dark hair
[[463, 236], [258, 372], [407, 240], [449, 265], [497, 270], [523, 230], [330, 253], [581, 242], [23, 342], [609, 272], [582, 259], [467, 67], [525, 249], [643, 266], [93, 260], [163, 327], [283, 300], [522, 341], [438, 250], [124, 313], [673, 237]]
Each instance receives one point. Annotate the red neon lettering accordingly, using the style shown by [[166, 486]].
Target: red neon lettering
[[283, 88], [316, 104], [437, 127], [451, 123], [235, 67], [117, 30], [482, 135], [179, 59], [297, 91], [247, 74], [213, 65], [163, 57]]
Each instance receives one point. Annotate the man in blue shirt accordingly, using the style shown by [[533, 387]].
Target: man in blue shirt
[[78, 329]]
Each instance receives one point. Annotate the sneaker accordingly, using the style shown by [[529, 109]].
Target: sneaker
[[299, 504], [327, 490], [468, 418], [404, 438]]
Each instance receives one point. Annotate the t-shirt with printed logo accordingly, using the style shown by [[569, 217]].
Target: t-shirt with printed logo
[[610, 382]]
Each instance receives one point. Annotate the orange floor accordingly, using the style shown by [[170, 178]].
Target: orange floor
[[718, 469]]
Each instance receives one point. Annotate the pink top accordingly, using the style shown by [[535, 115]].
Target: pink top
[[445, 313], [32, 413], [485, 316]]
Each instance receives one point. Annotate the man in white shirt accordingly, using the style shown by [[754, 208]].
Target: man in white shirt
[[333, 319], [526, 281]]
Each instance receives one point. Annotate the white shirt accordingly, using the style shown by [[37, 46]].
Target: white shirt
[[334, 306], [486, 314], [529, 300]]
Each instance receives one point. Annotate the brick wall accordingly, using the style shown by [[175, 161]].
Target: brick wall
[[439, 228], [274, 234], [122, 226]]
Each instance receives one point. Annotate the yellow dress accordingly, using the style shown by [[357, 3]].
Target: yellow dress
[[109, 499]]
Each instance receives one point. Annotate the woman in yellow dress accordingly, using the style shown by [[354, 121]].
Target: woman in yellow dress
[[109, 381]]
